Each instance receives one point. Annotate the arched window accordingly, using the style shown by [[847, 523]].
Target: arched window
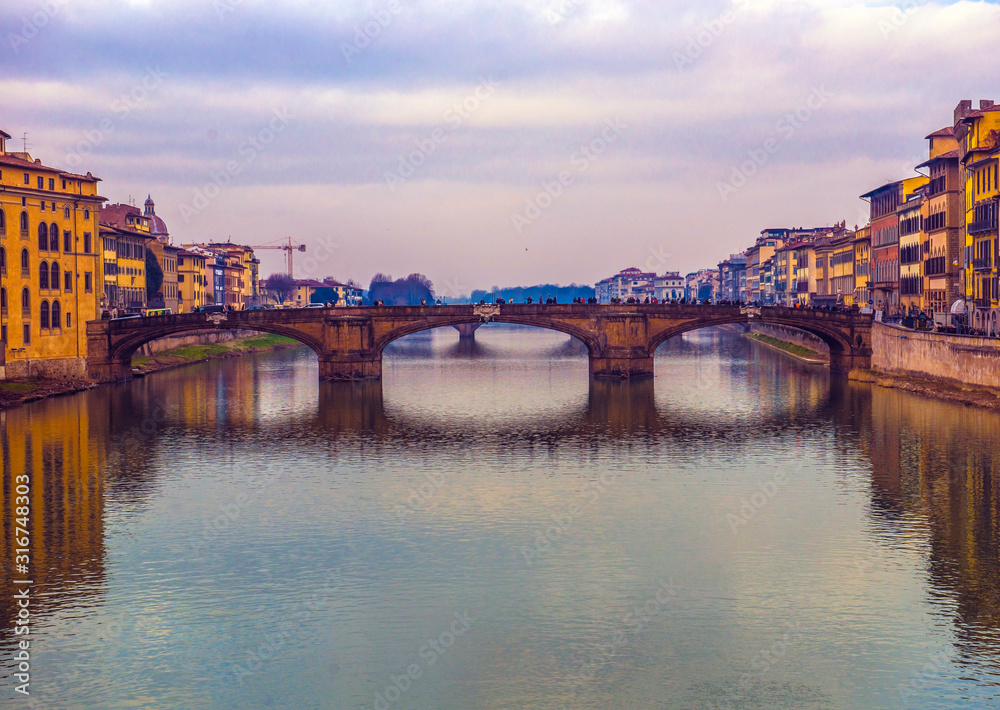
[[53, 237], [43, 314], [43, 236], [3, 302], [3, 223], [24, 264], [43, 275], [25, 303], [86, 215], [3, 261], [24, 223], [56, 315], [54, 279]]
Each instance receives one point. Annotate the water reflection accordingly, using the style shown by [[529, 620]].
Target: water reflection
[[488, 413]]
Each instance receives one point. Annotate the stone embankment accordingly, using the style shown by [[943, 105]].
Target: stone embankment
[[165, 354]]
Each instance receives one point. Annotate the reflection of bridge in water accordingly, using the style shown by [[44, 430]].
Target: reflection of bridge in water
[[349, 342]]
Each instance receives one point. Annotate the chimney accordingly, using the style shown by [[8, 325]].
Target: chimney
[[985, 104], [963, 109]]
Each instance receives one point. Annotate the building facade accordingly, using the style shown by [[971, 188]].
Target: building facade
[[50, 266], [944, 223]]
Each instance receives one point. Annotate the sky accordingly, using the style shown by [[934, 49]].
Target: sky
[[490, 143]]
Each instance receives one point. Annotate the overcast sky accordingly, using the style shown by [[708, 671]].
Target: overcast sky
[[481, 143]]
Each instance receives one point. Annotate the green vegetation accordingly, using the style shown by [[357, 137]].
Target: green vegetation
[[792, 348], [18, 387], [187, 354]]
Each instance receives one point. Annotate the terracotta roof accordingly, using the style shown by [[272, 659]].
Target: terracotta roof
[[311, 283], [18, 162], [4, 134], [944, 156], [946, 132]]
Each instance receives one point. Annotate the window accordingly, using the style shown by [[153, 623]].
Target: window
[[25, 303], [65, 209], [54, 279], [3, 302], [24, 225], [86, 215], [40, 181], [24, 264], [68, 282], [27, 334], [67, 242], [52, 185], [86, 242], [27, 179], [53, 237], [3, 261], [69, 319], [64, 187], [43, 237], [43, 315], [56, 315], [43, 275], [3, 223], [88, 282]]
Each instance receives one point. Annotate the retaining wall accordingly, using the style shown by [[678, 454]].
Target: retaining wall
[[792, 335], [958, 359]]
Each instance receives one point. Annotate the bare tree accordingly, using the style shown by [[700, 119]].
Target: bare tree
[[281, 286]]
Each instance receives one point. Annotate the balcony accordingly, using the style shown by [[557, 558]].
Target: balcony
[[3, 311], [25, 312], [983, 303], [3, 270], [802, 287], [25, 273], [982, 263], [24, 235], [983, 225]]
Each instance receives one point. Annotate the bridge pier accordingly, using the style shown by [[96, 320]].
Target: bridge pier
[[623, 368], [109, 371], [342, 369], [467, 331], [844, 363]]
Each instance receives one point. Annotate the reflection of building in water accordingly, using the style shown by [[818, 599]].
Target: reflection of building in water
[[58, 445], [937, 461]]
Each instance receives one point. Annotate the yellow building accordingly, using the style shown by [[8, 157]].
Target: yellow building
[[192, 287], [978, 135], [124, 240], [350, 295], [50, 266], [842, 279], [944, 223], [166, 257], [245, 290], [862, 242]]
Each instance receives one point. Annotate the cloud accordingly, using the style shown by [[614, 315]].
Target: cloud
[[562, 68]]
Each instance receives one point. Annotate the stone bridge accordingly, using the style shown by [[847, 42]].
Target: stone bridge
[[349, 342]]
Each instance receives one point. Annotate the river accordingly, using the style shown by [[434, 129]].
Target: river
[[487, 528]]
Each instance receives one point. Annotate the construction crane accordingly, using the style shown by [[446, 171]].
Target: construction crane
[[289, 249]]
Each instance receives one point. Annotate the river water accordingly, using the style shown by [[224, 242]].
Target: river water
[[487, 528]]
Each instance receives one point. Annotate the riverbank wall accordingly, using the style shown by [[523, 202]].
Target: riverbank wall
[[963, 360], [165, 354]]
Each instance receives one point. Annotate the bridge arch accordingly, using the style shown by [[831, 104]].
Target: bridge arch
[[834, 340], [570, 329], [126, 348]]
